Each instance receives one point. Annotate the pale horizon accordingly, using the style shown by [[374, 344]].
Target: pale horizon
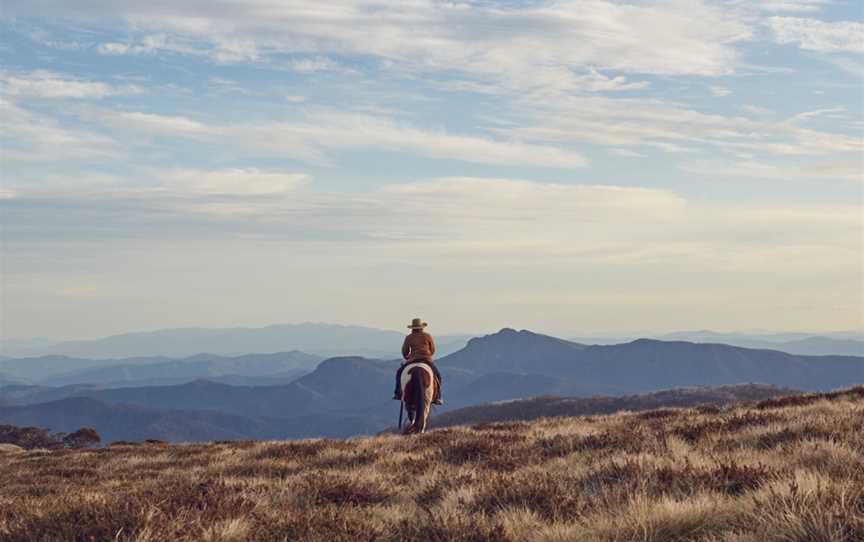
[[562, 333]]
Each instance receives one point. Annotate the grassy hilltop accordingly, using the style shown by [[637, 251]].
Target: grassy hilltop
[[784, 469]]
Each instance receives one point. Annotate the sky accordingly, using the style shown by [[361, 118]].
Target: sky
[[572, 167]]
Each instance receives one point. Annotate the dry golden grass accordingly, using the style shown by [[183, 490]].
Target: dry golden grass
[[781, 470]]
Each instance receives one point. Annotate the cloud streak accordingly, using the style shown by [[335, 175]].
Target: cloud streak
[[321, 131], [516, 47], [816, 35], [46, 84]]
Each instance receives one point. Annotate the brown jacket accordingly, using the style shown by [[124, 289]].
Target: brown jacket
[[418, 347]]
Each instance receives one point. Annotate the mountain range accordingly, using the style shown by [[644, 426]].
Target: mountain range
[[329, 340], [839, 343], [647, 365], [345, 396], [324, 340], [249, 368]]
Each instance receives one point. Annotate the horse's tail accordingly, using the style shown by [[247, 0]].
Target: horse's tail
[[419, 400]]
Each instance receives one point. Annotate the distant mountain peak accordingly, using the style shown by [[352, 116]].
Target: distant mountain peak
[[340, 367], [644, 340], [507, 333], [201, 383], [510, 335]]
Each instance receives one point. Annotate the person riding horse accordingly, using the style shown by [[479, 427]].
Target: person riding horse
[[418, 347]]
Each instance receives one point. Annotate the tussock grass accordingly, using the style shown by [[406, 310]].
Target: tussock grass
[[782, 470]]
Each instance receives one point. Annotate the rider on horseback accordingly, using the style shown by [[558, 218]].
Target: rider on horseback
[[418, 347]]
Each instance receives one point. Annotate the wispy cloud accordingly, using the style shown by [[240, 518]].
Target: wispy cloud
[[33, 138], [321, 131], [627, 153], [789, 6], [46, 84], [238, 181], [452, 216], [851, 170], [670, 128], [816, 35], [852, 66], [516, 47]]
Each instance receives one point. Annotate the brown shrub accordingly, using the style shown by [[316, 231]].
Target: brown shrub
[[549, 495], [265, 469], [438, 527], [734, 479], [723, 424], [82, 438], [788, 401], [660, 414], [496, 451], [501, 426], [343, 490], [314, 524], [351, 459], [301, 449], [790, 436], [632, 439]]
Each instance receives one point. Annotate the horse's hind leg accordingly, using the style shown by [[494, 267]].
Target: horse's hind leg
[[410, 427]]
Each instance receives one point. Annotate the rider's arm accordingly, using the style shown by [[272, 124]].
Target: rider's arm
[[406, 350], [431, 344]]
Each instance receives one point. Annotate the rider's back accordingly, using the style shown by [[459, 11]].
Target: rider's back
[[418, 346]]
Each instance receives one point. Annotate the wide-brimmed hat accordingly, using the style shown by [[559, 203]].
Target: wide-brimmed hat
[[417, 323]]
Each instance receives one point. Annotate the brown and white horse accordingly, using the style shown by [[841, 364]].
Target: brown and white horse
[[418, 389]]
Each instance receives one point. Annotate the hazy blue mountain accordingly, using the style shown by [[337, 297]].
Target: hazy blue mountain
[[6, 380], [818, 346], [61, 370], [706, 335], [503, 386], [647, 365], [841, 343], [134, 423], [209, 366], [336, 384], [838, 344], [320, 339], [38, 368], [23, 394], [11, 347], [552, 406], [589, 341], [515, 352], [126, 422], [351, 395], [242, 380]]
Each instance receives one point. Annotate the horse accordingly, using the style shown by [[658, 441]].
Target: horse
[[418, 390]]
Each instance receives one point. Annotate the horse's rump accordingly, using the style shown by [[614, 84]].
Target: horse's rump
[[426, 379]]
